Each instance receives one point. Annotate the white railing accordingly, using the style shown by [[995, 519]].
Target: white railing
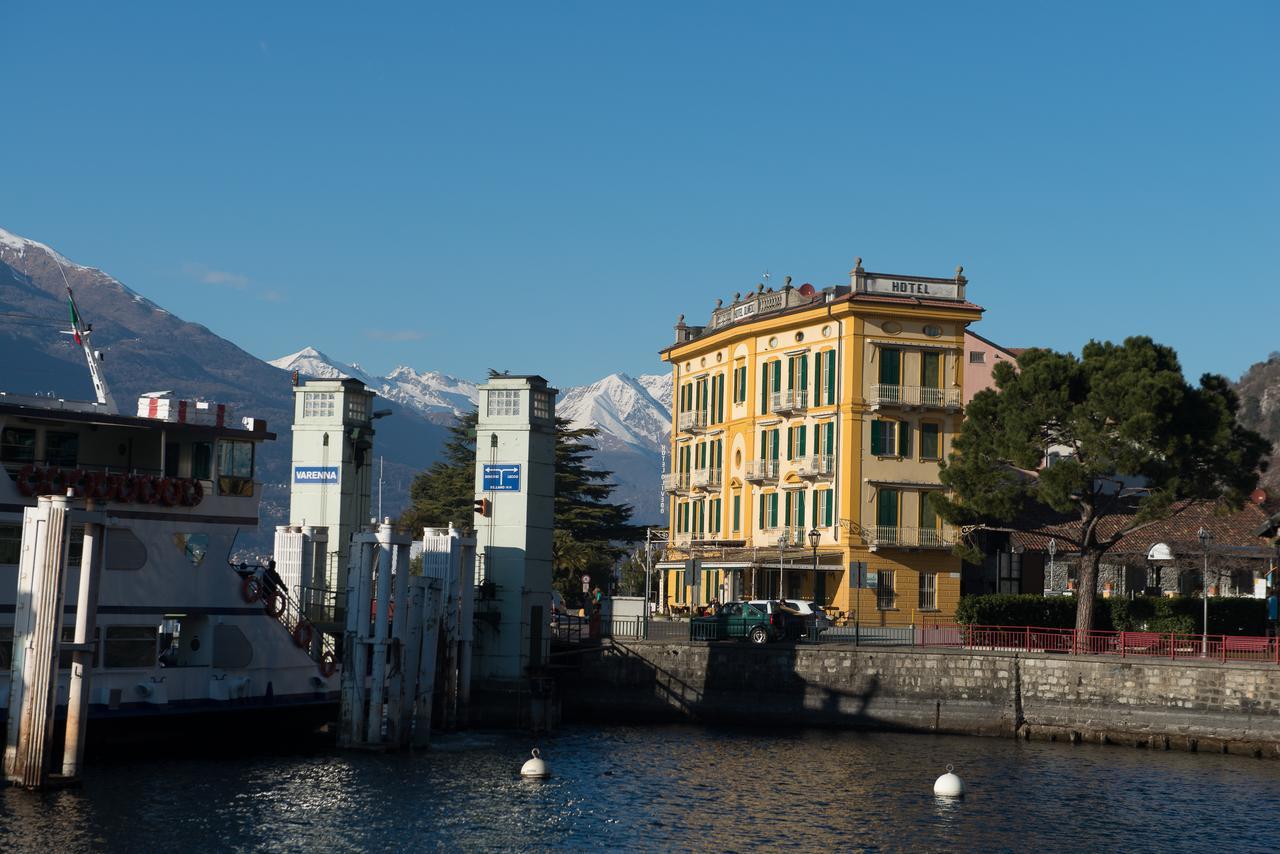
[[880, 536], [791, 400], [914, 395], [691, 422], [820, 465], [675, 482], [707, 478], [762, 470]]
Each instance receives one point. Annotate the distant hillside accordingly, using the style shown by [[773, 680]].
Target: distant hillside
[[149, 349], [1259, 391]]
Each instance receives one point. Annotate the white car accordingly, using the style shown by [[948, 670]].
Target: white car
[[811, 611]]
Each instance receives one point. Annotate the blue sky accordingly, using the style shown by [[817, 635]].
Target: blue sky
[[545, 186]]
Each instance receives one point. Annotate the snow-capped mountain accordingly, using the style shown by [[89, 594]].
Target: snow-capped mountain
[[632, 414], [621, 407]]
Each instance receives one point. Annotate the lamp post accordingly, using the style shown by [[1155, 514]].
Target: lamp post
[[814, 536], [782, 544], [1205, 537]]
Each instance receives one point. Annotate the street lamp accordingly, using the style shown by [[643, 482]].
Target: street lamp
[[782, 544], [814, 536], [1205, 537]]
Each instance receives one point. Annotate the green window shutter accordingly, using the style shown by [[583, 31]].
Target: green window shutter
[[817, 500], [802, 436], [890, 367], [773, 510], [737, 512], [904, 439], [791, 373], [764, 389], [817, 377], [786, 512], [762, 503], [831, 376], [764, 444], [877, 438], [776, 443], [720, 400], [830, 502], [777, 375], [800, 508], [790, 444], [804, 372], [887, 508]]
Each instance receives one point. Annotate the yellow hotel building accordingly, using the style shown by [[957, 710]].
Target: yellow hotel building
[[804, 415]]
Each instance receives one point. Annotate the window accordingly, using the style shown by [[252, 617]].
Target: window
[[796, 442], [977, 357], [930, 370], [890, 438], [130, 646], [503, 403], [172, 454], [235, 467], [886, 598], [740, 384], [887, 501], [318, 404], [795, 509], [541, 405], [824, 376], [61, 449], [18, 446], [769, 510], [928, 519], [824, 508], [713, 516], [930, 441], [890, 366], [928, 591], [798, 372], [357, 408], [737, 513], [10, 543], [202, 460]]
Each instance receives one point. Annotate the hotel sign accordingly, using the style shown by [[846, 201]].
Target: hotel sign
[[745, 310], [912, 288]]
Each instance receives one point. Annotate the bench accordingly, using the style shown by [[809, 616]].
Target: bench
[[1251, 645]]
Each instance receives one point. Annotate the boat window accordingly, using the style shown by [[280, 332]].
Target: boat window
[[202, 460], [231, 649], [61, 449], [10, 544], [124, 550], [69, 636], [235, 467], [6, 648], [130, 646], [172, 454], [17, 446]]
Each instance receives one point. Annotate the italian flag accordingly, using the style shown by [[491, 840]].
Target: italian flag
[[75, 320]]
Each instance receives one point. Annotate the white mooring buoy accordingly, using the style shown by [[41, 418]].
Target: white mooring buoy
[[949, 785], [536, 769]]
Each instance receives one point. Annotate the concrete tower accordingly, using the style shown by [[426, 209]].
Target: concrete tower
[[332, 466], [515, 477]]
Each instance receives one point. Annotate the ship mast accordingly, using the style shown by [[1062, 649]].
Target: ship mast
[[81, 335]]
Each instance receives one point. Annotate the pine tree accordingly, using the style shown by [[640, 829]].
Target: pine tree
[[443, 494]]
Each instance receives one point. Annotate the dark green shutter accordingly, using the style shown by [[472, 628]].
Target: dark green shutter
[[737, 512], [831, 376], [773, 510], [890, 367], [790, 443], [786, 512], [764, 389], [800, 508], [904, 439], [831, 437], [802, 434], [776, 444], [877, 438], [804, 373]]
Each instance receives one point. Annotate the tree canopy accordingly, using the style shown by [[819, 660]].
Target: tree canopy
[[1135, 437], [587, 524]]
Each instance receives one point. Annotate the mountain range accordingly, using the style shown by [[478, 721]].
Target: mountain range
[[633, 415], [148, 348]]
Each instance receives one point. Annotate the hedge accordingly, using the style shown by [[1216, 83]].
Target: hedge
[[1181, 615]]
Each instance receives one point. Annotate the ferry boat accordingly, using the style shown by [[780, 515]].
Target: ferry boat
[[180, 630]]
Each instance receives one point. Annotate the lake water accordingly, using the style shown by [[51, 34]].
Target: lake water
[[663, 788]]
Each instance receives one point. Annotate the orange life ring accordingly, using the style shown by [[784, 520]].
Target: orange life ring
[[251, 588], [274, 602], [303, 634], [55, 482], [29, 479], [167, 492], [144, 489], [328, 664], [125, 489], [99, 486]]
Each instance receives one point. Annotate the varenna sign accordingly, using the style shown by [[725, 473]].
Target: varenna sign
[[315, 474]]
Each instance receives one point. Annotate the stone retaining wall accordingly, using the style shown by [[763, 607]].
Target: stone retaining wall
[[1233, 707]]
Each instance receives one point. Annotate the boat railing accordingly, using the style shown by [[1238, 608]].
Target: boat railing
[[262, 583]]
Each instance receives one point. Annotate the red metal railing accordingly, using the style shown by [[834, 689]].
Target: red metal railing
[[1124, 644]]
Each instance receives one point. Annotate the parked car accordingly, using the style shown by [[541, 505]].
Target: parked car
[[739, 620], [798, 616]]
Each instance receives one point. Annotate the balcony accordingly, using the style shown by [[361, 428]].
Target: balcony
[[914, 396], [817, 466], [691, 422], [792, 400], [708, 479], [890, 536], [674, 482], [759, 471]]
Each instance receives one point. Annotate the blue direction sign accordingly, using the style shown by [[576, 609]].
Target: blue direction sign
[[501, 477]]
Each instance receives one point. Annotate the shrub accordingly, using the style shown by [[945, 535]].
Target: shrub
[[1179, 615]]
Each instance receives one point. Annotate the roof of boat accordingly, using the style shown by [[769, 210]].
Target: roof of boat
[[85, 412]]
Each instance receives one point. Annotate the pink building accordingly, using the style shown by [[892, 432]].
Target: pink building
[[980, 359]]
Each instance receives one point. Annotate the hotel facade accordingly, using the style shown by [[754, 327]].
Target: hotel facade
[[808, 417]]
